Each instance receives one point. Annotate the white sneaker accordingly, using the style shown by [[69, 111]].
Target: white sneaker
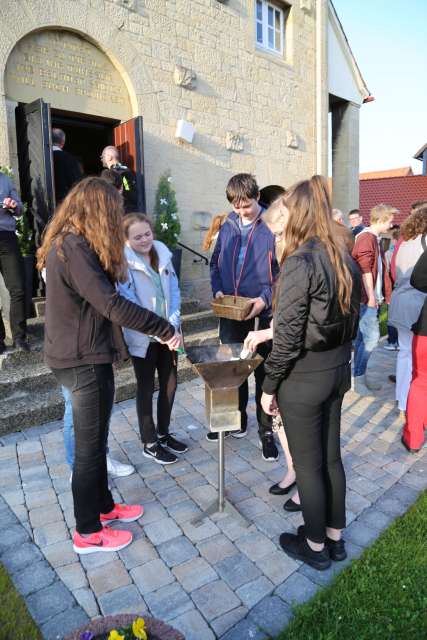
[[116, 468], [391, 347]]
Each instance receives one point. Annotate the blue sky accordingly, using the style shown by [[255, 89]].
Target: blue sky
[[388, 39]]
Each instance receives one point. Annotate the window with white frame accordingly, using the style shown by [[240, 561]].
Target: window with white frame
[[270, 26]]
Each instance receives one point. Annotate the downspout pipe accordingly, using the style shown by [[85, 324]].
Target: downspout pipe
[[321, 85]]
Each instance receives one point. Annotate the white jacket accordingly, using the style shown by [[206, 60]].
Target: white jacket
[[139, 288]]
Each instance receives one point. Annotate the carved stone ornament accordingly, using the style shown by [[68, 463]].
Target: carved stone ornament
[[222, 1], [233, 141], [306, 5], [292, 140], [184, 77], [129, 4]]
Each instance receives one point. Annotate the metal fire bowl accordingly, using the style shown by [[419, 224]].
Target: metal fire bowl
[[220, 366]]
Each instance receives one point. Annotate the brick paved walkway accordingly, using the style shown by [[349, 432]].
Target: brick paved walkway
[[215, 581]]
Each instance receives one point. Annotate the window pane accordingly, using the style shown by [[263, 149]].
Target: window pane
[[271, 38], [259, 32], [270, 16], [278, 40], [259, 10], [277, 17]]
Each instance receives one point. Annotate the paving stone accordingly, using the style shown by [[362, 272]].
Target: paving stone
[[7, 452], [277, 566], [234, 529], [23, 555], [16, 533], [181, 468], [296, 589], [272, 525], [392, 506], [194, 574], [160, 482], [361, 485], [72, 575], [108, 577], [123, 600], [162, 530], [356, 502], [60, 554], [360, 534], [184, 511], [192, 625], [51, 533], [169, 497], [414, 480], [245, 629], [42, 516], [271, 614], [376, 519], [151, 576], [169, 602], [34, 577], [87, 601], [215, 599], [206, 529], [137, 553], [177, 551], [255, 545], [225, 622], [95, 560], [237, 570], [191, 481], [217, 548], [48, 602], [14, 498], [20, 512], [64, 623], [254, 591], [406, 495], [37, 499], [204, 495], [323, 578]]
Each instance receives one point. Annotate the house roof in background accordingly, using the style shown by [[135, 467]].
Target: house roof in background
[[386, 173], [399, 191], [419, 154]]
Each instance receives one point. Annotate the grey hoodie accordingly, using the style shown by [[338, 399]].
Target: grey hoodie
[[7, 216]]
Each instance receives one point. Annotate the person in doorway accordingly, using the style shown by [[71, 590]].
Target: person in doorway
[[110, 159], [416, 413], [406, 302], [152, 283], [368, 254], [82, 252], [244, 263], [11, 265], [114, 178], [308, 370], [66, 169], [356, 222]]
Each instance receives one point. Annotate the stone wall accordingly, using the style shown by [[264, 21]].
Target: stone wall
[[196, 60]]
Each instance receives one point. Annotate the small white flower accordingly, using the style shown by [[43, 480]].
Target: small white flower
[[163, 201], [164, 226], [176, 235], [170, 179], [174, 216]]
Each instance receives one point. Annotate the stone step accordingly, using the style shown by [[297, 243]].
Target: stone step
[[192, 324], [188, 305], [25, 405]]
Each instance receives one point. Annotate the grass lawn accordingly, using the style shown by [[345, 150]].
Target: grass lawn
[[380, 596], [383, 315], [15, 621]]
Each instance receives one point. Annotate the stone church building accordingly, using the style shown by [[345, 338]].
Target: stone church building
[[203, 88]]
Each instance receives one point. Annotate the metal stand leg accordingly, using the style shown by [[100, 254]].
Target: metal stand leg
[[221, 472]]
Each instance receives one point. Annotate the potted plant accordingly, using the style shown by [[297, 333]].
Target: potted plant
[[126, 627], [167, 225]]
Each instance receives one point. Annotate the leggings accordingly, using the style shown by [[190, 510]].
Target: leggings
[[310, 406], [416, 422]]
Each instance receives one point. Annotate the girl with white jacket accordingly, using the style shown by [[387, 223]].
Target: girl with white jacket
[[153, 284]]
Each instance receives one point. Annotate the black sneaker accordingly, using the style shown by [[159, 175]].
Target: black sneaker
[[22, 344], [240, 434], [212, 436], [336, 548], [159, 454], [2, 347], [269, 449], [171, 443], [296, 547]]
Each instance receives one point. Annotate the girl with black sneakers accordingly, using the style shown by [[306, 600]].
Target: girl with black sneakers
[[153, 284]]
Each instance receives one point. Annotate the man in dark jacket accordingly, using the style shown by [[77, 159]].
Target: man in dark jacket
[[244, 264], [66, 169], [110, 159]]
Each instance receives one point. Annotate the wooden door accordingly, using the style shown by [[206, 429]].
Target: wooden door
[[33, 126], [128, 138]]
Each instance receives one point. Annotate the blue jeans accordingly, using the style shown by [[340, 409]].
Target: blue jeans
[[367, 338], [68, 428]]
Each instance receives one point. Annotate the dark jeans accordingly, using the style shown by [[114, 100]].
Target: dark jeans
[[158, 358], [12, 269], [310, 405], [235, 331], [92, 394]]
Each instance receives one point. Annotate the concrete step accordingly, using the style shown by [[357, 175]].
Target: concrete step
[[33, 397], [192, 324]]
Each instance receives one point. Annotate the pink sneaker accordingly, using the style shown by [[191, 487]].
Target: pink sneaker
[[122, 513], [107, 540]]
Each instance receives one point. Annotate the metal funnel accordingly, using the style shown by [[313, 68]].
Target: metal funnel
[[220, 366]]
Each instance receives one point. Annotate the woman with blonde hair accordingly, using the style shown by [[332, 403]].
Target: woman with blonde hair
[[82, 251], [308, 370]]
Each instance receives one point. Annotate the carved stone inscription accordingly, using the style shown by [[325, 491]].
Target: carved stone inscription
[[68, 72]]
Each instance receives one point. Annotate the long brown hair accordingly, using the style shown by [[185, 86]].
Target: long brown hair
[[415, 224], [92, 209], [132, 218], [310, 215]]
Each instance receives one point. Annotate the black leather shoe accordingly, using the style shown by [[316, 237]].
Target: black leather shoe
[[392, 378], [2, 347], [290, 505], [408, 448], [22, 345], [296, 547], [336, 548], [277, 490]]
